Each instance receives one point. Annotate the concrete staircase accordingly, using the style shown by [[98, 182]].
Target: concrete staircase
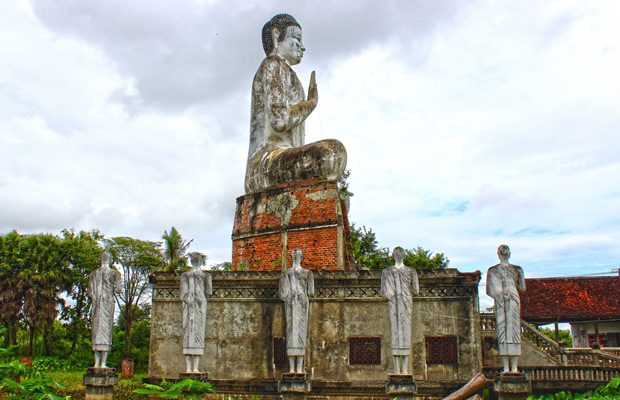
[[550, 350]]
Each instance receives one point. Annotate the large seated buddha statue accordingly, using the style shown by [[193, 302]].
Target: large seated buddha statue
[[277, 154]]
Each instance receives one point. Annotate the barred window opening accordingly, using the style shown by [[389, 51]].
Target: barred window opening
[[279, 351], [441, 350], [364, 351]]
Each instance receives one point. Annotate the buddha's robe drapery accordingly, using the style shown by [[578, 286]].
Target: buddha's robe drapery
[[296, 284], [398, 285], [195, 285]]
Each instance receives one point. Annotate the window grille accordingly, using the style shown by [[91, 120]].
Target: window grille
[[364, 351], [441, 350], [602, 339], [279, 351]]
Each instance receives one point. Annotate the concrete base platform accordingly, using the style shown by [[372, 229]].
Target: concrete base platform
[[100, 383]]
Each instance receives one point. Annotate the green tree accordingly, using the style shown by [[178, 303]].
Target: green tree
[[366, 250], [140, 337], [46, 272], [175, 251], [223, 266], [419, 258], [343, 186], [137, 258], [84, 256], [563, 333], [368, 253], [12, 286]]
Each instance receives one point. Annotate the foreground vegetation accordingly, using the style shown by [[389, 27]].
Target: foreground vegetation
[[44, 303]]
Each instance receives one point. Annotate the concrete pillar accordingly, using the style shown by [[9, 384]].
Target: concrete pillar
[[294, 386], [513, 387], [99, 383], [401, 387]]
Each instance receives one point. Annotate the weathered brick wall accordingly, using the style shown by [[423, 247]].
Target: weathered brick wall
[[306, 215], [317, 245]]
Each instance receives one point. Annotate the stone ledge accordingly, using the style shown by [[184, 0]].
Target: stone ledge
[[400, 385], [100, 377], [446, 275], [294, 383]]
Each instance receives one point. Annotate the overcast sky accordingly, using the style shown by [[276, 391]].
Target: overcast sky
[[468, 124]]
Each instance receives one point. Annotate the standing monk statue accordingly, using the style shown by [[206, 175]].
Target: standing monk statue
[[195, 286], [102, 285], [504, 282], [296, 284], [277, 153], [398, 284]]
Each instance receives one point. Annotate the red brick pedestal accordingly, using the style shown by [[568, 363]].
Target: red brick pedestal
[[302, 215]]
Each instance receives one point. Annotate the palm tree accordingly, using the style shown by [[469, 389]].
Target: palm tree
[[175, 251], [12, 286], [45, 269]]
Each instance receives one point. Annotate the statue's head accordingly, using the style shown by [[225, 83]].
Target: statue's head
[[282, 36], [197, 259], [503, 252], [399, 254], [296, 256], [106, 258]]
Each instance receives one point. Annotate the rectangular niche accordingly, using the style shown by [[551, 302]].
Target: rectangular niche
[[279, 351], [364, 351], [441, 350]]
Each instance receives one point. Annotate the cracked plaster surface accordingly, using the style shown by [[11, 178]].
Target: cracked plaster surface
[[281, 206]]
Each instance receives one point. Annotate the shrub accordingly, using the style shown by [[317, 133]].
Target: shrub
[[45, 364], [185, 389], [38, 387], [606, 392]]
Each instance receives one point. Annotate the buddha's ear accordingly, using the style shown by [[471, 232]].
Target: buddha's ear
[[275, 35]]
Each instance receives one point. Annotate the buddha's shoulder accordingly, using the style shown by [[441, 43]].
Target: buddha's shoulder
[[272, 63]]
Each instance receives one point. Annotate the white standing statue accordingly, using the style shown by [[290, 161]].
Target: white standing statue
[[102, 285], [398, 284], [195, 285], [504, 282], [296, 284]]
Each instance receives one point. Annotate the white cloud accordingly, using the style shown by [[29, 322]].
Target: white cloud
[[470, 126]]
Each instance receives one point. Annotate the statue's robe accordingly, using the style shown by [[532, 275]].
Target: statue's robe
[[504, 281], [195, 285], [296, 284], [397, 285], [276, 158], [101, 287]]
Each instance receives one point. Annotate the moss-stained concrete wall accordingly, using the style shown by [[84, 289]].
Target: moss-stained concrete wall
[[244, 315]]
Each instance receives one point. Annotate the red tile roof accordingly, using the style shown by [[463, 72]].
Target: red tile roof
[[571, 299]]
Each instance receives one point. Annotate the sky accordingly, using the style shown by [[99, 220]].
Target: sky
[[467, 124]]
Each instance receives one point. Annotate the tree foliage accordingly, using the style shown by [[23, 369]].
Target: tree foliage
[[84, 253], [46, 275], [366, 250], [343, 186], [39, 272], [368, 254], [419, 258], [175, 251], [563, 333], [12, 286], [137, 259]]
